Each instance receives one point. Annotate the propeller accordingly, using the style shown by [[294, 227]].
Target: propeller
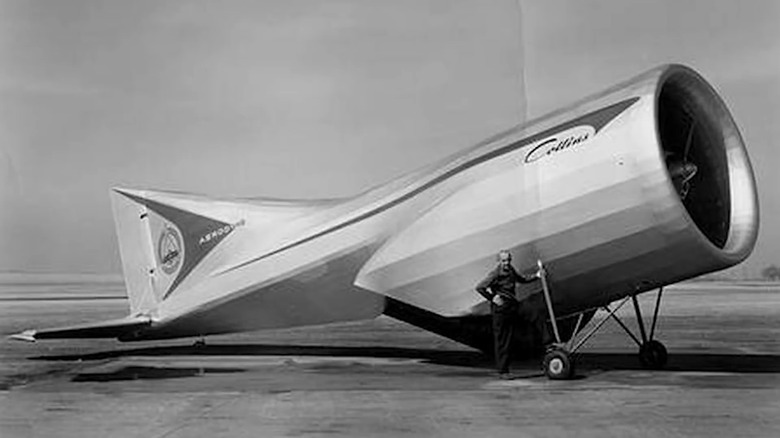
[[682, 171]]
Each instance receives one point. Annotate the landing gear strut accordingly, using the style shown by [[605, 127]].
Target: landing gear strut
[[559, 361], [652, 354]]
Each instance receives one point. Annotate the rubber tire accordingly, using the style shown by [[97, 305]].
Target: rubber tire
[[558, 365], [653, 355]]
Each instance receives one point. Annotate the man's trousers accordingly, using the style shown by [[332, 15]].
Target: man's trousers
[[504, 321], [532, 311]]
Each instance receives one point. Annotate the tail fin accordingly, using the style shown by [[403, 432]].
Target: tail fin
[[160, 243]]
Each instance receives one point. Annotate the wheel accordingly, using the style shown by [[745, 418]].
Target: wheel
[[652, 355], [558, 365]]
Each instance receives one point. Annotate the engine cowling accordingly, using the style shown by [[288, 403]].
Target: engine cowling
[[643, 185]]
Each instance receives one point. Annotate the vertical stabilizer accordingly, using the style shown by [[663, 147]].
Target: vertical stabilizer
[[136, 250], [159, 244]]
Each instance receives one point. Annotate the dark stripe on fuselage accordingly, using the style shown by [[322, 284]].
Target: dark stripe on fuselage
[[598, 119]]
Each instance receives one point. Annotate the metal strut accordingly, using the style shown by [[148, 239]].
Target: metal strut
[[571, 346], [548, 301], [625, 327], [655, 312], [559, 361], [641, 323], [610, 314]]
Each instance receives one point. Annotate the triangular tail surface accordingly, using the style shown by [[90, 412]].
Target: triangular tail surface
[[160, 244]]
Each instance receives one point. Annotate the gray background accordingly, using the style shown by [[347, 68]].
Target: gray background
[[320, 99]]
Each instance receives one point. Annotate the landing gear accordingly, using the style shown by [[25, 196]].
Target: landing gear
[[558, 365], [652, 355], [559, 362], [199, 343]]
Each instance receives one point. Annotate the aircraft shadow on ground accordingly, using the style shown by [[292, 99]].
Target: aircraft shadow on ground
[[703, 362], [473, 359], [151, 373]]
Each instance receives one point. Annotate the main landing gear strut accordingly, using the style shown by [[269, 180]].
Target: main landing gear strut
[[559, 361]]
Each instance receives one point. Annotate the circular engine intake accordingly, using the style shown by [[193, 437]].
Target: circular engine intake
[[706, 161]]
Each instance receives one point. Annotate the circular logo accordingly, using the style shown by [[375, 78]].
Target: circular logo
[[169, 250]]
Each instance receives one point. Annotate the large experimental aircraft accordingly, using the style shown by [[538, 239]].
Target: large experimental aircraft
[[643, 185]]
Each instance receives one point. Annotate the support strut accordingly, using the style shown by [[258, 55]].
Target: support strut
[[559, 362], [548, 300], [625, 327], [639, 322], [655, 313], [610, 314]]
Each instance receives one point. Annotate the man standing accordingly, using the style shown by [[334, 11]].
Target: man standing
[[499, 288]]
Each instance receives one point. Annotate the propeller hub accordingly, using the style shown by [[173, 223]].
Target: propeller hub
[[681, 174]]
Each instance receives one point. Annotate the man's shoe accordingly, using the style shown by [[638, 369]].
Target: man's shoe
[[506, 376]]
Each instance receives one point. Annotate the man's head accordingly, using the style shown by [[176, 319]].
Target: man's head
[[504, 258]]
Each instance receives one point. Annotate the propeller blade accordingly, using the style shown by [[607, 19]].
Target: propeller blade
[[688, 142]]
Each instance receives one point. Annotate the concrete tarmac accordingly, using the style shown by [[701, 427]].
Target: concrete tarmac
[[385, 378]]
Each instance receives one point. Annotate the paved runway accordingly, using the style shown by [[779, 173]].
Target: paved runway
[[385, 378]]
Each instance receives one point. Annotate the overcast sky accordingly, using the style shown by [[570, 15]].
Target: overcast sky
[[312, 99]]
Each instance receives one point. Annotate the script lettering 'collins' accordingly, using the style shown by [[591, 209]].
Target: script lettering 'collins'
[[562, 141]]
